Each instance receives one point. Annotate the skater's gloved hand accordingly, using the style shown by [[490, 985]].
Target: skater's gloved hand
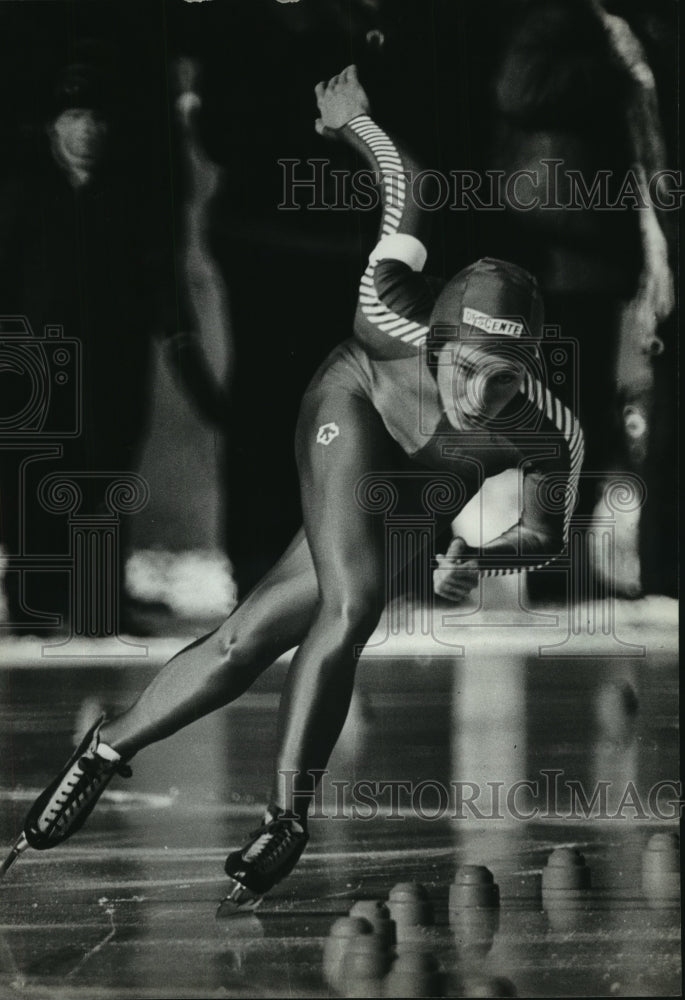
[[340, 100], [456, 574]]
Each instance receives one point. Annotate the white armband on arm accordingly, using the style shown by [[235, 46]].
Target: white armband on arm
[[402, 247]]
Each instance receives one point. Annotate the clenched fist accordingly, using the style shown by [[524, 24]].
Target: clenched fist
[[340, 100], [456, 575]]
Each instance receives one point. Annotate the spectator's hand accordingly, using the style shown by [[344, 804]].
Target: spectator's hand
[[203, 174], [656, 293], [340, 100], [627, 47], [456, 575], [639, 327]]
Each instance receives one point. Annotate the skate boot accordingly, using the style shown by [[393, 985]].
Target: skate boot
[[66, 804], [270, 854]]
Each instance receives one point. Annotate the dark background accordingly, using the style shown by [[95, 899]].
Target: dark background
[[293, 275]]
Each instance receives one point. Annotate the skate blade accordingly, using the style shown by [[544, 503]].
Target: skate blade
[[19, 847], [239, 900]]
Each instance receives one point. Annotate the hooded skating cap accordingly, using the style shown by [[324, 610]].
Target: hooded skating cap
[[493, 301]]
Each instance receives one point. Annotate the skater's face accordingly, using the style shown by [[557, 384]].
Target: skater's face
[[80, 136], [476, 384]]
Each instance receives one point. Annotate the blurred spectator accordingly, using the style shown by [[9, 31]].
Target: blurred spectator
[[574, 85], [87, 241]]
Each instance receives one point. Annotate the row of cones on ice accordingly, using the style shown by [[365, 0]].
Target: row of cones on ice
[[384, 949]]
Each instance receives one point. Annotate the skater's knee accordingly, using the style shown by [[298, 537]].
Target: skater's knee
[[238, 649], [227, 644], [354, 614]]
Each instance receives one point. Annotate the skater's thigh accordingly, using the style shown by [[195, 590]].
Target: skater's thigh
[[340, 439], [280, 608]]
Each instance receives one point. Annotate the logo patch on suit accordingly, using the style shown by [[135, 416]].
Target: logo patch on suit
[[327, 433], [490, 324]]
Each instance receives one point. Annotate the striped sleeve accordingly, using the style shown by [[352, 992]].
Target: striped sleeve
[[395, 300], [552, 491]]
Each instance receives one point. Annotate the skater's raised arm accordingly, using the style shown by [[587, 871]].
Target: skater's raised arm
[[395, 298]]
